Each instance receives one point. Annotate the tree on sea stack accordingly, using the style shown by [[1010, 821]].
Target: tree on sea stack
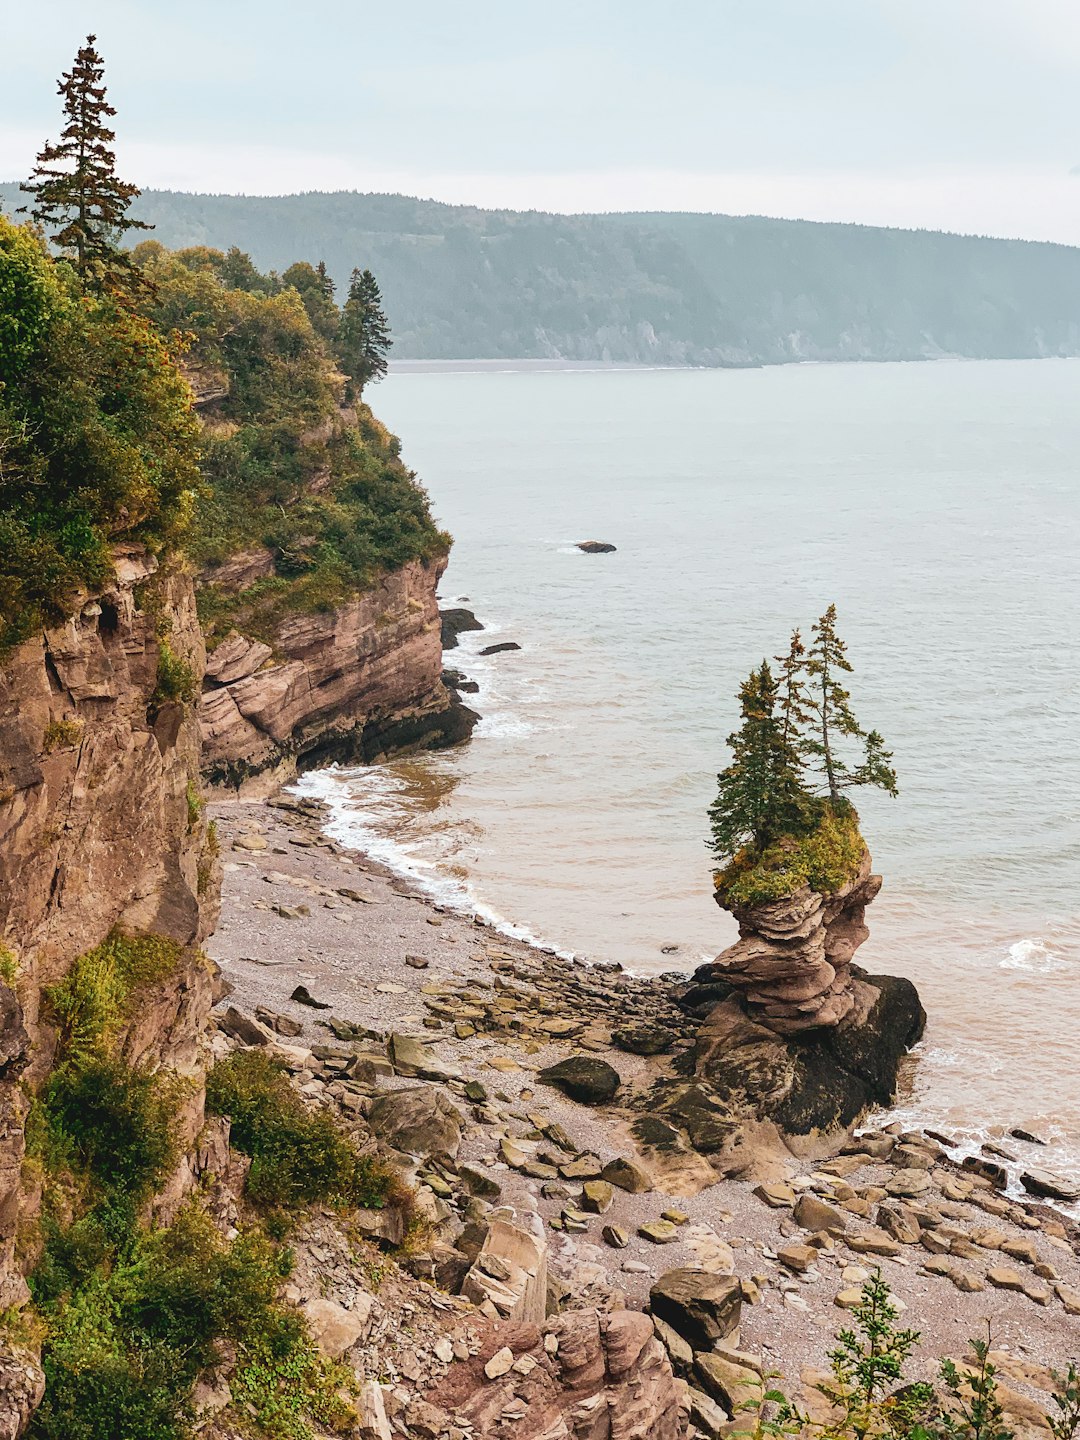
[[363, 334], [835, 719], [781, 816], [77, 195], [759, 794]]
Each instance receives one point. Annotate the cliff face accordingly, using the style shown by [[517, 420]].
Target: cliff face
[[355, 681], [100, 828]]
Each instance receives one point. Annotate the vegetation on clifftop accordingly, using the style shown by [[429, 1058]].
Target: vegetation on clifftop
[[782, 817]]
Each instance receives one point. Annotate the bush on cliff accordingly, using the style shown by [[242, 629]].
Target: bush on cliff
[[824, 854], [288, 469], [298, 1156], [98, 439]]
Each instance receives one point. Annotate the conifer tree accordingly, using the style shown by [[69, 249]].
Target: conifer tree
[[364, 334], [793, 699], [759, 797], [77, 194], [834, 719]]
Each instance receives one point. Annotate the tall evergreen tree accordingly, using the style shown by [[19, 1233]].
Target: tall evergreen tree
[[364, 334], [759, 797], [792, 696], [77, 194], [834, 719]]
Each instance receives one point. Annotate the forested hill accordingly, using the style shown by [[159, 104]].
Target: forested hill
[[465, 283]]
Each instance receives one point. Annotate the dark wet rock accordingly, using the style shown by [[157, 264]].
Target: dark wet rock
[[583, 1078], [1029, 1139], [989, 1170], [699, 1306], [454, 623], [819, 1079], [644, 1040], [596, 547], [500, 648], [701, 998], [1049, 1186], [303, 996]]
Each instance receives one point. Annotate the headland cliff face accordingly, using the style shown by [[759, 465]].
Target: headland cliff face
[[101, 830], [357, 682]]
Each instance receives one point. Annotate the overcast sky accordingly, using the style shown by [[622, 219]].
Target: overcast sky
[[954, 114]]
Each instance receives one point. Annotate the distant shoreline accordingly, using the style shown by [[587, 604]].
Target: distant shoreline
[[436, 367]]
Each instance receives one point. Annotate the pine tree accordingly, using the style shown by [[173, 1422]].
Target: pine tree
[[794, 701], [835, 721], [759, 797], [78, 196], [364, 334]]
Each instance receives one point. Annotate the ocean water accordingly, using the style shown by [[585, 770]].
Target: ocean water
[[938, 505]]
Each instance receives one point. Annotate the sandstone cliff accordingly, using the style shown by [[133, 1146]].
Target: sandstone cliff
[[355, 681], [101, 827]]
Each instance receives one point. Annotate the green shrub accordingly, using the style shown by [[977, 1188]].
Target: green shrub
[[145, 1319], [175, 678], [92, 1002], [298, 1156], [194, 804], [113, 1123], [826, 857], [61, 735], [9, 966]]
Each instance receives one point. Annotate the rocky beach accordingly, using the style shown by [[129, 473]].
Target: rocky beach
[[547, 1113]]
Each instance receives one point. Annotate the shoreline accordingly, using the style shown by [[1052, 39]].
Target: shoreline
[[285, 922]]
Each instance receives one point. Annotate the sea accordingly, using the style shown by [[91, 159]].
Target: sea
[[938, 506]]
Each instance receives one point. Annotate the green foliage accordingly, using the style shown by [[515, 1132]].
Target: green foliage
[[770, 831], [297, 1156], [77, 195], [61, 735], [825, 855], [98, 440], [92, 1002], [113, 1123], [145, 1317], [9, 966], [1064, 1419], [867, 1361], [322, 489], [194, 804], [363, 337], [175, 678], [974, 1411]]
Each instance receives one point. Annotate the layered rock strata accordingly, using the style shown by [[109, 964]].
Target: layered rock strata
[[101, 827], [353, 682], [792, 960]]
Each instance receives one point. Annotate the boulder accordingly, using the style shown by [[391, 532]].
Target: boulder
[[730, 1382], [420, 1121], [510, 1271], [1049, 1186], [644, 1039], [583, 1078], [333, 1328], [596, 547], [455, 622], [501, 648], [814, 1214], [626, 1175], [701, 1307]]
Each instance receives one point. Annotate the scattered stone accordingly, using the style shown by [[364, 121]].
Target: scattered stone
[[583, 1078], [660, 1232], [1049, 1186], [615, 1236], [814, 1214], [420, 1121], [775, 1194], [725, 1380], [701, 1307], [873, 1242], [303, 996], [280, 1024], [597, 1196], [626, 1175], [1002, 1278], [417, 962], [901, 1222], [644, 1040], [797, 1257], [500, 1363], [333, 1328], [906, 1184]]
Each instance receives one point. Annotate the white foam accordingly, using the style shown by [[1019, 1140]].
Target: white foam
[[1035, 956]]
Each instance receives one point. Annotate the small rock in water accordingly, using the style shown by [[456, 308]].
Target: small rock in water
[[501, 648], [596, 547]]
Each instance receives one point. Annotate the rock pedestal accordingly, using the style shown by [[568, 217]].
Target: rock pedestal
[[792, 962]]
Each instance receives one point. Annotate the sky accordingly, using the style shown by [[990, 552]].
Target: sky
[[947, 114]]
